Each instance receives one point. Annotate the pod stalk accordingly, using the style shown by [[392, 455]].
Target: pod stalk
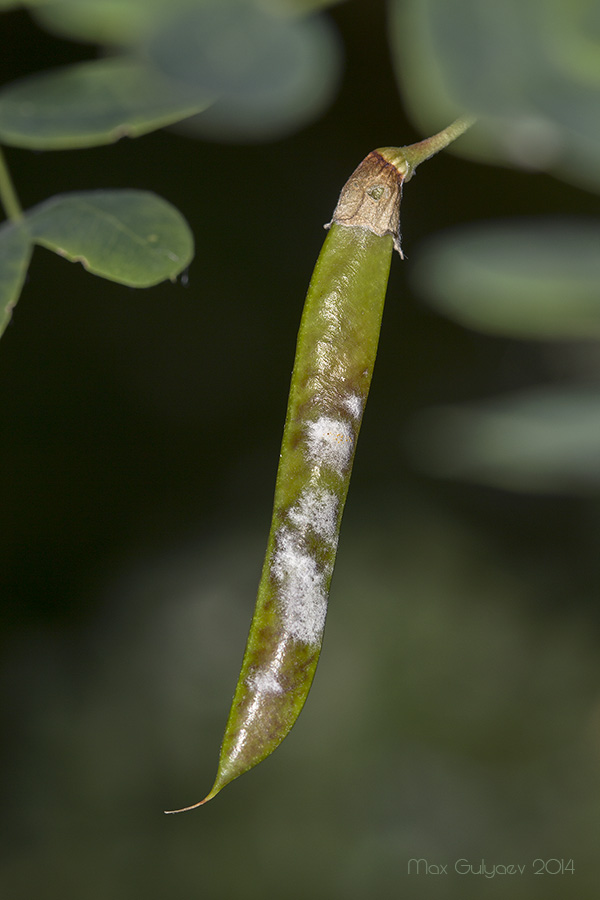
[[406, 159]]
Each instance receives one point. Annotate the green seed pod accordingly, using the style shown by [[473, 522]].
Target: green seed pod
[[335, 355]]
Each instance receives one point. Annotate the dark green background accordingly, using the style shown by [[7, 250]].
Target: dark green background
[[456, 710]]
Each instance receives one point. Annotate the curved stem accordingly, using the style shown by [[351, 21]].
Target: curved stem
[[406, 159], [8, 195]]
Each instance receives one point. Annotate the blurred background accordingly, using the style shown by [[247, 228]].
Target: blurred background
[[455, 714]]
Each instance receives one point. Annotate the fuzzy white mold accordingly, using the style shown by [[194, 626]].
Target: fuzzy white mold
[[264, 683], [330, 443], [354, 405], [317, 509], [301, 593]]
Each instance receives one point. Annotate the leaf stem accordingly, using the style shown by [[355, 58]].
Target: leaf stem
[[406, 159], [8, 195]]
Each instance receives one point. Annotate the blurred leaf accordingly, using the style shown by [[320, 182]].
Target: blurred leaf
[[270, 73], [531, 71], [303, 6], [123, 22], [545, 440], [133, 237], [537, 278], [484, 53], [92, 103], [15, 253], [116, 22], [28, 3]]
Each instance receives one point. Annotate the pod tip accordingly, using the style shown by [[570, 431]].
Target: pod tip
[[171, 812]]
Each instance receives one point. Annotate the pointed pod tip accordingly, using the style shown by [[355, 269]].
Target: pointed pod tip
[[171, 812]]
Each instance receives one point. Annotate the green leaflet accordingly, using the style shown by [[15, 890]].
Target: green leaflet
[[93, 103], [132, 237]]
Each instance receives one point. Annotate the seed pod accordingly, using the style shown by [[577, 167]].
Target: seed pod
[[335, 355]]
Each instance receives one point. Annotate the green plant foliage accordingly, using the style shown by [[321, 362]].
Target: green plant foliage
[[531, 73], [525, 278], [133, 237], [546, 440], [530, 70], [272, 66], [15, 253], [30, 4], [269, 73], [92, 103], [115, 22], [121, 22], [303, 6]]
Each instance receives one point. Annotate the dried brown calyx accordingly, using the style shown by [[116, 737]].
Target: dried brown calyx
[[371, 198]]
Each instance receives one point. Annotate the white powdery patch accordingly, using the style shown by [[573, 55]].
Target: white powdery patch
[[330, 442], [302, 593], [264, 683], [316, 509], [354, 405]]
